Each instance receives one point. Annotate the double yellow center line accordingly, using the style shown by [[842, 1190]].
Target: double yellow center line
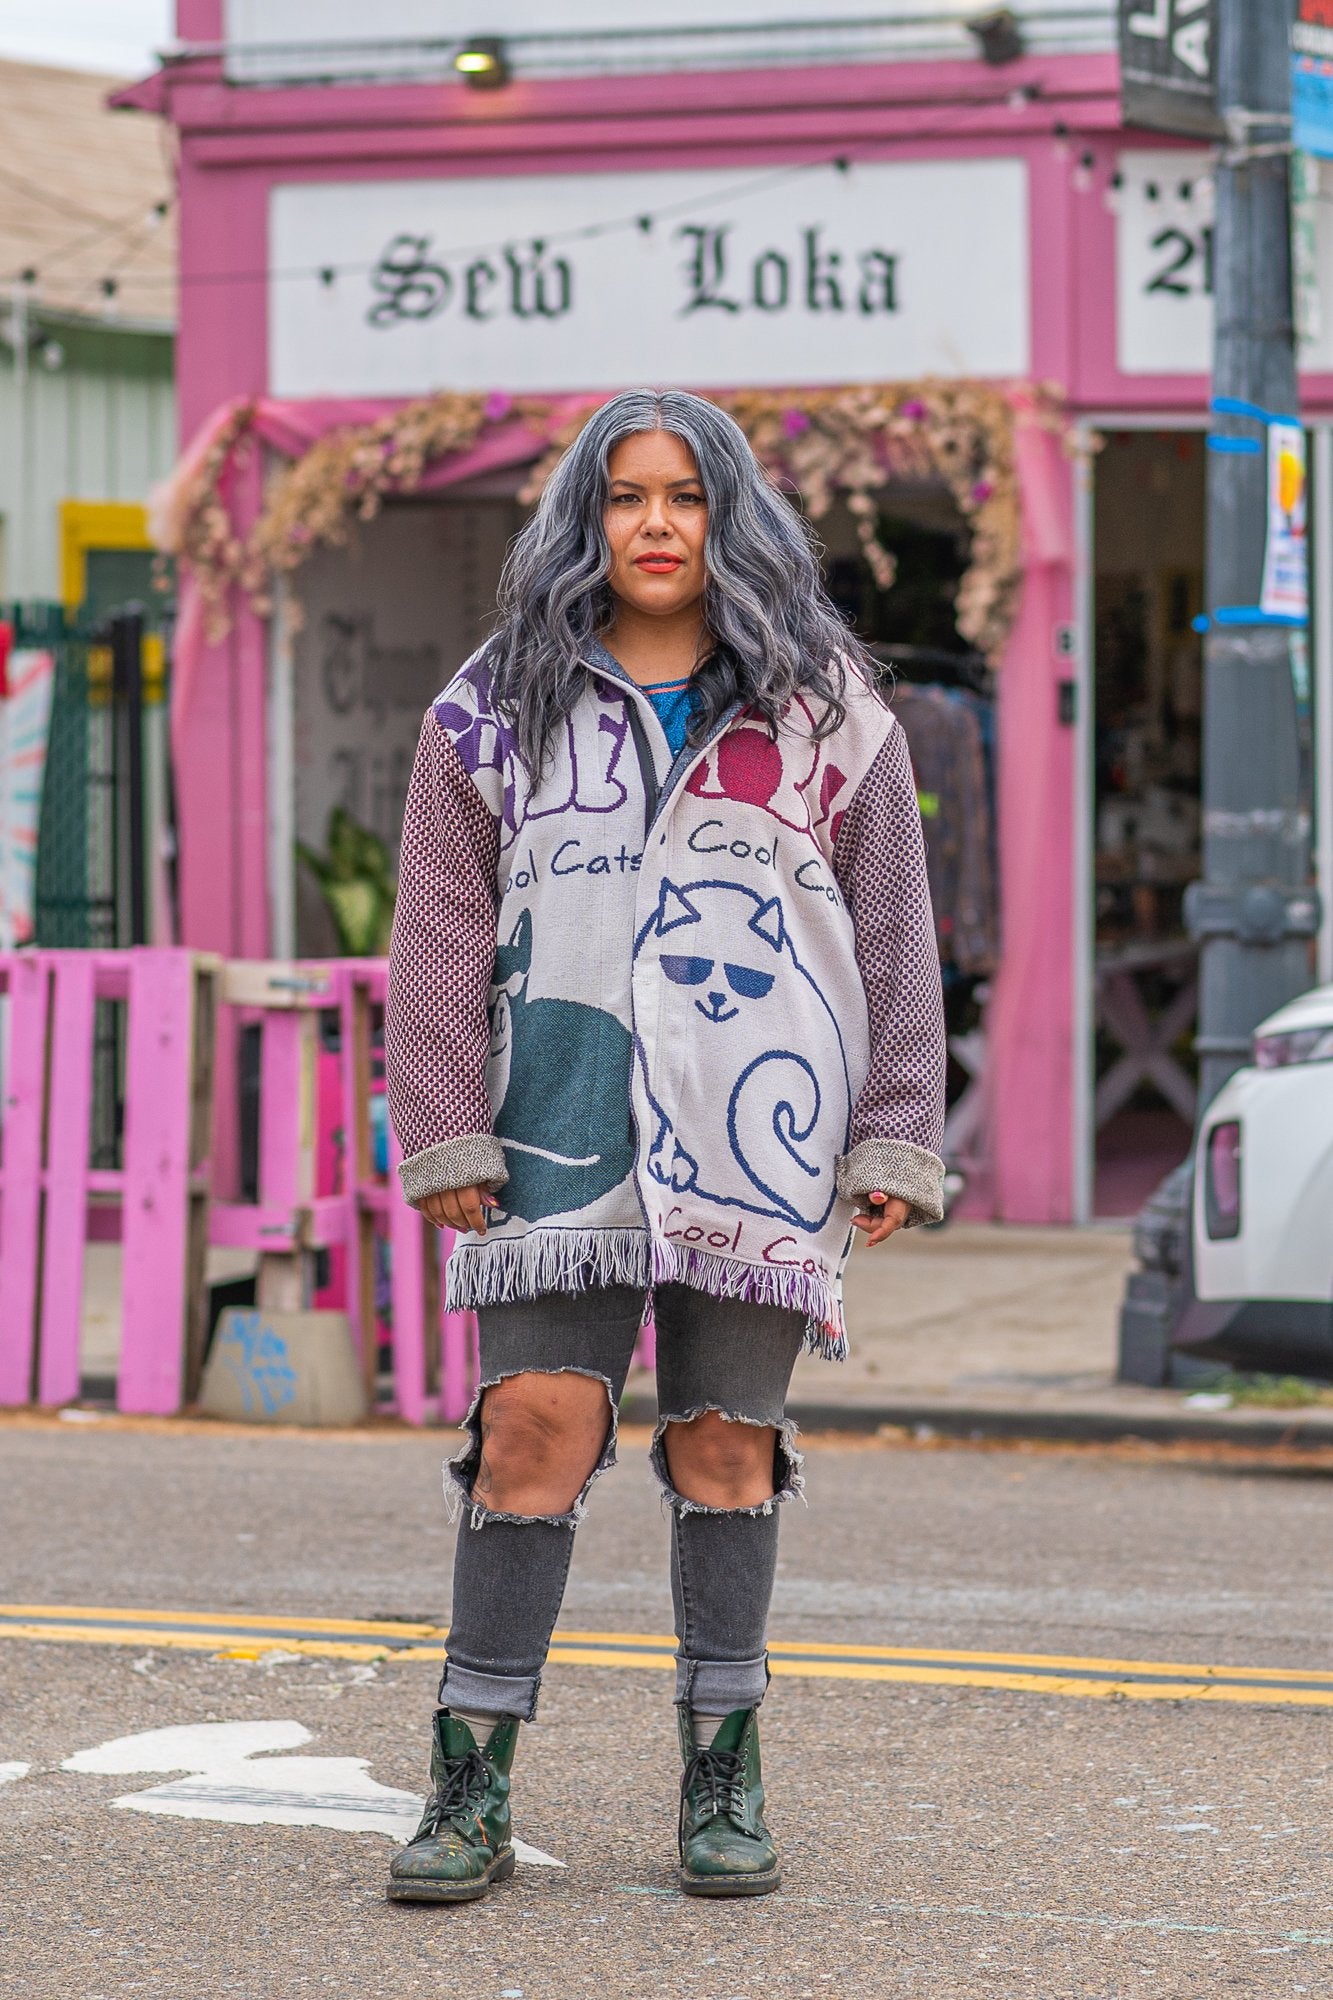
[[240, 1636]]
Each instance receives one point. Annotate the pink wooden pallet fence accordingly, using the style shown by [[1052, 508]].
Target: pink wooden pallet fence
[[158, 1202], [433, 1352], [52, 1202]]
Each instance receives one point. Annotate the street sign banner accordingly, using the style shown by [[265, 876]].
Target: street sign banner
[[1285, 586], [1168, 64]]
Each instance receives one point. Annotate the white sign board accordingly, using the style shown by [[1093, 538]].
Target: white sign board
[[1164, 267], [801, 276]]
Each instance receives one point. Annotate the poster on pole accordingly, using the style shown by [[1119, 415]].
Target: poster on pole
[[1312, 77], [1286, 591], [25, 724], [1168, 66]]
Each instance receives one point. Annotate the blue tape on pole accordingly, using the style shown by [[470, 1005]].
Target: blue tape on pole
[[1243, 447], [1234, 406], [1251, 614]]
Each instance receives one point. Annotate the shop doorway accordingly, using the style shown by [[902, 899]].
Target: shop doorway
[[384, 625], [1148, 560]]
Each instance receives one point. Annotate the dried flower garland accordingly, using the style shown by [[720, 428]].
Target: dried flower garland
[[824, 443]]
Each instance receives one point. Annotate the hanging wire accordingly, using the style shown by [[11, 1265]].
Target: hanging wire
[[962, 125], [56, 202], [111, 231]]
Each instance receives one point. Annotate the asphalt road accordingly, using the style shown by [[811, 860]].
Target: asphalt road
[[941, 1838]]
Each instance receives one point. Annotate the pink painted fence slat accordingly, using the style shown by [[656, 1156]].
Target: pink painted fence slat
[[354, 1062], [157, 1175], [459, 1364], [21, 1211], [407, 1269], [69, 1120], [286, 1137]]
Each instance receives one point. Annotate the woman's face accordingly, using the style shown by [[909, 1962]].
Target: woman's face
[[656, 520]]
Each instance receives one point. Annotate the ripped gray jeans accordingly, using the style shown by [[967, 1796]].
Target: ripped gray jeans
[[510, 1570]]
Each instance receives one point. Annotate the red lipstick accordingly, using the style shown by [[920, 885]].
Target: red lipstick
[[660, 560]]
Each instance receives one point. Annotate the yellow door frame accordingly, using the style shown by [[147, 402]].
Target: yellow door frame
[[95, 524], [106, 524]]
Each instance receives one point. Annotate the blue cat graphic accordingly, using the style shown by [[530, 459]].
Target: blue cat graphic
[[781, 1112], [559, 1078]]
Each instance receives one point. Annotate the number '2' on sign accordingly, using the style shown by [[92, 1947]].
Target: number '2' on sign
[[1186, 261], [1184, 25]]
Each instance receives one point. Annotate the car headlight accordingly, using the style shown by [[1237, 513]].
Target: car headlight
[[1301, 1045]]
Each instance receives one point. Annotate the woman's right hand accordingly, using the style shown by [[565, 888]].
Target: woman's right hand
[[458, 1208]]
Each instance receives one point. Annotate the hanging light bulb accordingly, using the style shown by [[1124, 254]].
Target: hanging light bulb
[[481, 62]]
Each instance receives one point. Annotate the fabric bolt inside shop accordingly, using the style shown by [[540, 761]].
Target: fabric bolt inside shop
[[950, 734]]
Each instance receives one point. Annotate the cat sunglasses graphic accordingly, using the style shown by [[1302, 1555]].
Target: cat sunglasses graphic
[[744, 981]]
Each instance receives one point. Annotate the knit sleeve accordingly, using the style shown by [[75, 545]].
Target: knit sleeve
[[436, 1018], [879, 859]]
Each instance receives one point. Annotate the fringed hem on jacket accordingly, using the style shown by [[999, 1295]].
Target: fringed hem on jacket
[[500, 1269]]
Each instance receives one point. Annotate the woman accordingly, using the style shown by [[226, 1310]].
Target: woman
[[664, 1025]]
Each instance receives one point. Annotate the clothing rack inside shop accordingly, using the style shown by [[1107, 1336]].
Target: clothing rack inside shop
[[932, 666], [945, 702]]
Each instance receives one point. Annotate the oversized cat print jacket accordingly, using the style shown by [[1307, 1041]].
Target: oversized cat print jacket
[[677, 1015]]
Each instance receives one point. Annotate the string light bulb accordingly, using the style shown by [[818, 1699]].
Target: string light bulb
[[481, 62]]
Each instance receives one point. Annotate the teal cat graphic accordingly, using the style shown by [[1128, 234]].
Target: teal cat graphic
[[559, 1082]]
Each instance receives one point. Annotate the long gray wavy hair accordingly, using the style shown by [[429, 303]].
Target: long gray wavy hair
[[773, 627]]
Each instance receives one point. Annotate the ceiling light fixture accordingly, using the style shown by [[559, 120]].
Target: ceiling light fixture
[[481, 62], [998, 36]]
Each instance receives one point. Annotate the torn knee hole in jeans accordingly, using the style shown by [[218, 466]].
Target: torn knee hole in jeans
[[460, 1473], [788, 1478]]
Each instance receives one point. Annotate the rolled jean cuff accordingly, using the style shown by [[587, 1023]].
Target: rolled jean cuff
[[719, 1686], [489, 1694]]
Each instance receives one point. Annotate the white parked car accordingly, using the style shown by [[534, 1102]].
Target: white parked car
[[1261, 1290]]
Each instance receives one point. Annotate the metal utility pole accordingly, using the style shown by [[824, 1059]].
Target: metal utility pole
[[1222, 68], [1254, 910]]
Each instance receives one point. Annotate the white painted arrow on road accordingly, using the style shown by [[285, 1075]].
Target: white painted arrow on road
[[232, 1776]]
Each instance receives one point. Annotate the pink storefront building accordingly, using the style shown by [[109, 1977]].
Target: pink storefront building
[[962, 313]]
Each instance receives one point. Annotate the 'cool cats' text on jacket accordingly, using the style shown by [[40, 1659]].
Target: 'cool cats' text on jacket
[[677, 1014]]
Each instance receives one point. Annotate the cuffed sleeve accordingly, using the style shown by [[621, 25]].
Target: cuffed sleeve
[[436, 1019], [892, 1166], [475, 1160], [879, 859]]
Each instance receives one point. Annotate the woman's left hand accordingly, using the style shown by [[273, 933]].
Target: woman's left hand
[[882, 1218]]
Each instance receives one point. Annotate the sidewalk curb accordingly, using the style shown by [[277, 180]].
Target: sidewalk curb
[[1288, 1429]]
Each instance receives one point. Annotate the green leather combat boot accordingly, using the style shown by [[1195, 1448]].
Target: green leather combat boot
[[462, 1844], [725, 1848]]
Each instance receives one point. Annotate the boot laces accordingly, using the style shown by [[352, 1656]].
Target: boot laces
[[714, 1781], [460, 1793]]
